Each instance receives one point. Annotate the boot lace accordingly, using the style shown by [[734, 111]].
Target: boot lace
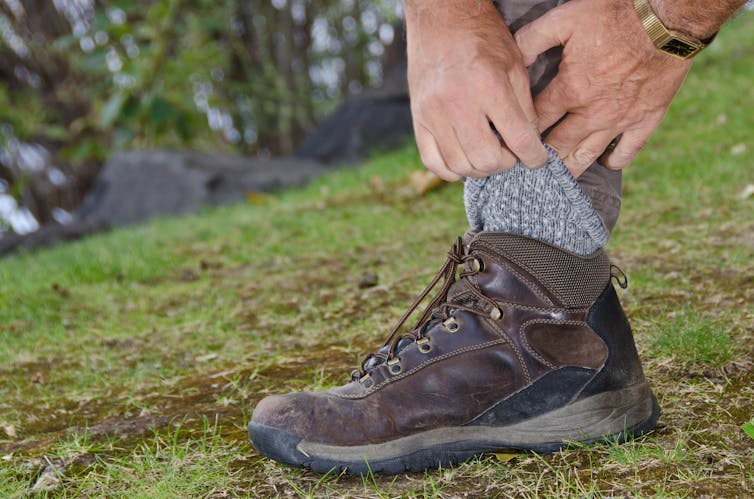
[[439, 309]]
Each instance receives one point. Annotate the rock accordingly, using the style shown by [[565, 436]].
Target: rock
[[377, 119], [359, 126], [49, 480], [49, 235], [368, 280], [139, 185]]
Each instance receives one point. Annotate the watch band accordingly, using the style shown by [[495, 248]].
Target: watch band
[[675, 43]]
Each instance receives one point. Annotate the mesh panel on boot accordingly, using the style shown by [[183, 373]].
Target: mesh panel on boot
[[575, 280]]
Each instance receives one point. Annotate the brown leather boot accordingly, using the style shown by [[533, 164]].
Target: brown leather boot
[[528, 348]]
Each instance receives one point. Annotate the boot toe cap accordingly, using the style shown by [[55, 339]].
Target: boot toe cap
[[279, 411]]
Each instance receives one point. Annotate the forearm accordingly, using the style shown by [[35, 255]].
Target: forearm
[[699, 18], [430, 13]]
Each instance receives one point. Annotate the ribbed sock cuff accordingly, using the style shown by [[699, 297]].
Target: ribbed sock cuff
[[546, 204]]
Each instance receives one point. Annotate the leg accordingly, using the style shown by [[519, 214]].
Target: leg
[[526, 347]]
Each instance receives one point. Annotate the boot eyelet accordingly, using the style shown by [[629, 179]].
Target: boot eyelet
[[367, 381], [424, 345], [496, 314], [477, 265], [451, 325], [394, 365]]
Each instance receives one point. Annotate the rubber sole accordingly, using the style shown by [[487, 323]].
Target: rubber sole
[[610, 416]]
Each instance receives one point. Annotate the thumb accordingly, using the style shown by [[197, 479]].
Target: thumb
[[548, 31]]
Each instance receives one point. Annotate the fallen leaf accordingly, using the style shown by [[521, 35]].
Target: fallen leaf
[[258, 197], [747, 192], [505, 457], [49, 479], [424, 181], [738, 149], [7, 457], [10, 430], [205, 358], [377, 184]]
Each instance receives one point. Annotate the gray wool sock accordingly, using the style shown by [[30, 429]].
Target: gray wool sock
[[546, 204]]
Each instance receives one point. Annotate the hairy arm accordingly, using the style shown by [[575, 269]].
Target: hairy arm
[[698, 18]]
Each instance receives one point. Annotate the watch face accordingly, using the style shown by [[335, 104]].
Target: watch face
[[679, 48]]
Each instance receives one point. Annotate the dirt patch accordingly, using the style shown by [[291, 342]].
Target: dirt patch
[[223, 394]]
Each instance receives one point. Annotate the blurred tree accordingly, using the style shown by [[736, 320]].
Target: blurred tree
[[81, 78]]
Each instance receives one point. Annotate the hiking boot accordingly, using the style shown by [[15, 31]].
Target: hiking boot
[[527, 347]]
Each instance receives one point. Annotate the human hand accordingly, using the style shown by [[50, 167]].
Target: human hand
[[612, 81], [465, 72]]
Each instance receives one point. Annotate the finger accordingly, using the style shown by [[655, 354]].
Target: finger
[[430, 154], [452, 153], [551, 104], [548, 31], [483, 149], [519, 133], [629, 145], [522, 89], [569, 133], [587, 152]]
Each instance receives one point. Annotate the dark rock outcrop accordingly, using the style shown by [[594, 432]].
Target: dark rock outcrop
[[377, 119], [135, 186], [139, 185], [49, 235]]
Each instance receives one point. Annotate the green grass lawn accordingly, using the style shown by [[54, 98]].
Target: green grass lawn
[[129, 362]]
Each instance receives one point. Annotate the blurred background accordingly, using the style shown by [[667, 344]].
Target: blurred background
[[81, 80]]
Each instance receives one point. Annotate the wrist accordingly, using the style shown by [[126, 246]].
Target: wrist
[[451, 15], [700, 19], [438, 27]]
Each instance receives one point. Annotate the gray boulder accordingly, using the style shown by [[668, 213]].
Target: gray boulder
[[376, 119], [49, 235], [139, 185]]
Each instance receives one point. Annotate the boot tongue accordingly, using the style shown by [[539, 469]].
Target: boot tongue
[[456, 289]]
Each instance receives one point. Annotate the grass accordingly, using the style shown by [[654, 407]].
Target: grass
[[688, 338], [129, 362]]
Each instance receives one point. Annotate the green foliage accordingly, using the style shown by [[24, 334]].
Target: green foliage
[[231, 76]]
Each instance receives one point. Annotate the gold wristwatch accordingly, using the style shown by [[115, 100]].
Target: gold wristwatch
[[672, 42]]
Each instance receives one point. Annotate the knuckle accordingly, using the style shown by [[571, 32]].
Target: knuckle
[[485, 164], [431, 161], [585, 155], [427, 100], [484, 155], [462, 169], [434, 167], [465, 171], [475, 174], [522, 35], [521, 140], [442, 172]]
